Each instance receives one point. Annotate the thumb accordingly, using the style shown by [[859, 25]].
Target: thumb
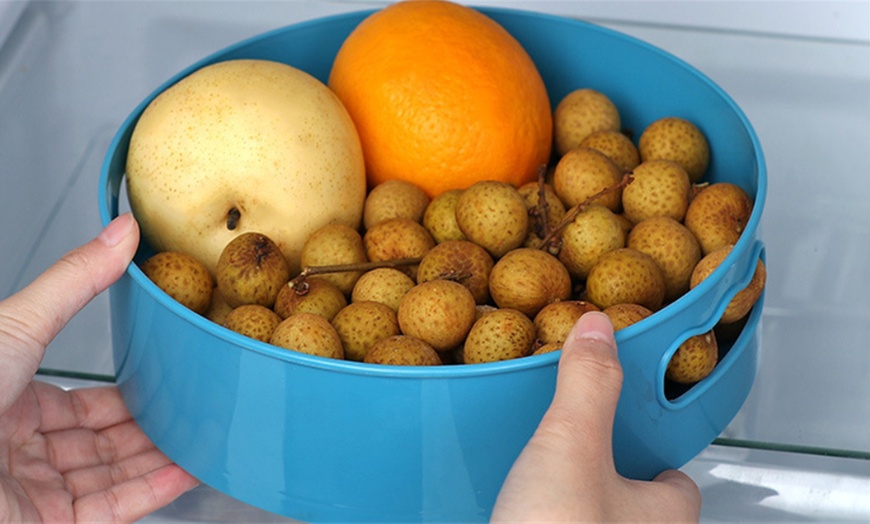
[[567, 465], [566, 471], [588, 384], [31, 318]]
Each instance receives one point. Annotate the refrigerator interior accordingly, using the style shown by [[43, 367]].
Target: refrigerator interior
[[70, 72]]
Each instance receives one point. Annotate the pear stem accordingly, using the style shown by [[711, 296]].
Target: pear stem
[[233, 216]]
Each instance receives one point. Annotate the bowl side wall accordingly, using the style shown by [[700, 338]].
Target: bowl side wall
[[312, 443]]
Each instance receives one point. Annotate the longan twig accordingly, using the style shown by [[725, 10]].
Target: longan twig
[[542, 208], [299, 283], [572, 213]]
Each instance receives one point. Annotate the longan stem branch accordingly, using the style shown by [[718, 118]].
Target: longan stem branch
[[543, 206], [572, 213], [342, 268]]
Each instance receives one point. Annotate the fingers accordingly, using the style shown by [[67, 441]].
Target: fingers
[[685, 492], [671, 497], [73, 449], [135, 498], [31, 318], [85, 481], [87, 427], [679, 481], [37, 313], [93, 408], [112, 469]]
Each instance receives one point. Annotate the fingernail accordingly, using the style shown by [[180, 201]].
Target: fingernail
[[595, 325], [117, 230]]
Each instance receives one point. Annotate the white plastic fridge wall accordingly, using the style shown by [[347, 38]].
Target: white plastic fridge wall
[[70, 72]]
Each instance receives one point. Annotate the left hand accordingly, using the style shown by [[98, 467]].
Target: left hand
[[73, 455]]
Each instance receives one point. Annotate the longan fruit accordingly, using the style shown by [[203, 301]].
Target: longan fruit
[[397, 238], [308, 333], [253, 320], [493, 215], [439, 312], [402, 350], [582, 173], [593, 233], [504, 334], [677, 139], [658, 188], [742, 303], [718, 214], [626, 275], [581, 113], [672, 246], [527, 279], [335, 244], [549, 347], [361, 324], [251, 270], [394, 199], [625, 314], [462, 261], [384, 284], [314, 295], [439, 219], [554, 321], [182, 277], [616, 145], [694, 359]]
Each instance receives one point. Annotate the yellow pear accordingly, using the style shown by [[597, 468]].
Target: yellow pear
[[244, 145]]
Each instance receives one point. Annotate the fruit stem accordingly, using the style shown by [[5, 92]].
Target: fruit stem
[[542, 208], [299, 281], [233, 216], [549, 242]]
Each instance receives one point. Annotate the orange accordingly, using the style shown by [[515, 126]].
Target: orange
[[443, 96]]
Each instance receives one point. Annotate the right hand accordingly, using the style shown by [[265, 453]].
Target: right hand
[[566, 471]]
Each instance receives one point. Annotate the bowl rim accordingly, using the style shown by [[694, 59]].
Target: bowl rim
[[109, 209]]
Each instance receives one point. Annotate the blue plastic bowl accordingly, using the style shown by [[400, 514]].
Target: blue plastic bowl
[[319, 439]]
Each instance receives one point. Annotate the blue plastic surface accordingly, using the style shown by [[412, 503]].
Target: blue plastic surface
[[318, 439]]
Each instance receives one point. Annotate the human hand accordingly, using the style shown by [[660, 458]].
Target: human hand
[[566, 471], [72, 455]]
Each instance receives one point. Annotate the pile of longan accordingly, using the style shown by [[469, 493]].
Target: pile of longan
[[495, 272]]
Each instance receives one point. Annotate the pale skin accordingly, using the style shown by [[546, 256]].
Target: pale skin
[[78, 455], [566, 472]]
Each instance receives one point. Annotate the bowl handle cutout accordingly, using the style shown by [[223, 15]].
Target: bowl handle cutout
[[673, 397]]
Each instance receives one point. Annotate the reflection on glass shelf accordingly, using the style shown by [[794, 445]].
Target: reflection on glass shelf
[[843, 496], [739, 484]]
